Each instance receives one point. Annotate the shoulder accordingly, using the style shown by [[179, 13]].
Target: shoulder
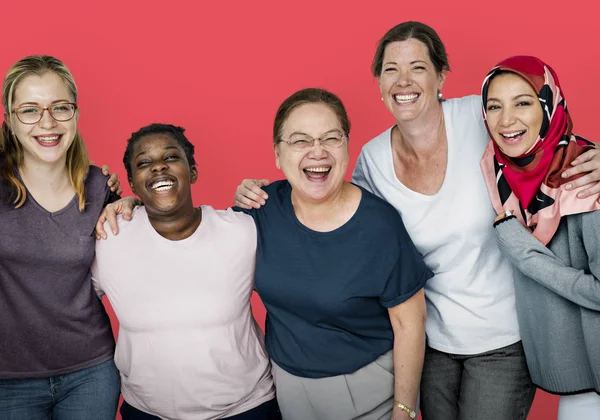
[[96, 183], [588, 222], [467, 108], [127, 228], [380, 213], [378, 144], [226, 217], [229, 226], [466, 102], [278, 188]]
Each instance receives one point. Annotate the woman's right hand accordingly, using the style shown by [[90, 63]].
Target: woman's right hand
[[123, 206], [249, 194]]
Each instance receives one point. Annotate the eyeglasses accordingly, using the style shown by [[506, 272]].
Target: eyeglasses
[[32, 114], [301, 142]]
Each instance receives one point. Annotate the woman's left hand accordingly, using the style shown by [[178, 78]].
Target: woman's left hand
[[588, 163], [113, 181]]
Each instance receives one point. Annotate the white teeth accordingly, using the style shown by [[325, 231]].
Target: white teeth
[[48, 139], [513, 135], [317, 169], [406, 98], [162, 185]]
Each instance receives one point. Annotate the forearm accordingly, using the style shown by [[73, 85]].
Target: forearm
[[409, 352], [539, 263]]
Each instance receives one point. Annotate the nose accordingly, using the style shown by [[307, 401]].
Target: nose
[[507, 117], [47, 121], [403, 78], [317, 151], [158, 166]]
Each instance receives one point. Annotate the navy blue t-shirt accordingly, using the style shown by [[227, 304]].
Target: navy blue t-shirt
[[327, 293]]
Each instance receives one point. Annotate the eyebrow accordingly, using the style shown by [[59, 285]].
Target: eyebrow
[[51, 103], [304, 134], [516, 97], [165, 148], [411, 63]]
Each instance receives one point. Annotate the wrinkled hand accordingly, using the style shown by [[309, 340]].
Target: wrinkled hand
[[588, 163], [123, 206], [249, 194], [113, 181]]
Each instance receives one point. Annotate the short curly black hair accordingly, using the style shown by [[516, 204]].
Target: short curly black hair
[[172, 130]]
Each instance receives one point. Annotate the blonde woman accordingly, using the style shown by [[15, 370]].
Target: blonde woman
[[56, 342]]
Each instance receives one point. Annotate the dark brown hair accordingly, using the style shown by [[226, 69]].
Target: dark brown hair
[[413, 30], [309, 96]]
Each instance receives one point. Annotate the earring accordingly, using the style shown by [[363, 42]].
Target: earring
[[440, 96], [382, 98]]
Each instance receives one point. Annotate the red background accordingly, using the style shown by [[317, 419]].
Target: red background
[[220, 69]]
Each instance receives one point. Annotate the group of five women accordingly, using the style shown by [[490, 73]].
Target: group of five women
[[457, 272]]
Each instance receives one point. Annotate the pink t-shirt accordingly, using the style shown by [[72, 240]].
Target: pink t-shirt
[[188, 346]]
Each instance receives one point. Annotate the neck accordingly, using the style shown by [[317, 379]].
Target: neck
[[44, 175], [308, 210], [179, 226], [421, 136]]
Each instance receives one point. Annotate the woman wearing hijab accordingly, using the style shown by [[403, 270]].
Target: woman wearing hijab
[[549, 234]]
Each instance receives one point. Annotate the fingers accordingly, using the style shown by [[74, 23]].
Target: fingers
[[262, 183], [111, 211], [120, 191], [100, 232], [113, 182], [587, 156], [245, 203], [254, 186], [105, 170], [580, 168], [586, 162]]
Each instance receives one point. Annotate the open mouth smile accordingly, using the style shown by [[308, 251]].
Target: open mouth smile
[[317, 173], [161, 185], [49, 140], [408, 98]]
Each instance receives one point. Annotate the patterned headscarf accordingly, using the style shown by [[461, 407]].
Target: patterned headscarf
[[531, 184]]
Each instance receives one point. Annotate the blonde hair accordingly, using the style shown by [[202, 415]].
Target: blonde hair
[[78, 162]]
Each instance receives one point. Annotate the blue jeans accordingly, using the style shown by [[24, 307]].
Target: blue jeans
[[494, 385], [91, 393]]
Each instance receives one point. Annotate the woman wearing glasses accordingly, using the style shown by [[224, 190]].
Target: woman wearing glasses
[[57, 346], [345, 319]]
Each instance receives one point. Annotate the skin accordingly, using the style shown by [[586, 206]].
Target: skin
[[44, 169], [321, 202], [159, 158], [419, 143], [514, 114], [43, 91]]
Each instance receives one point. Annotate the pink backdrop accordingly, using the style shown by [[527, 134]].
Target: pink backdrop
[[220, 69]]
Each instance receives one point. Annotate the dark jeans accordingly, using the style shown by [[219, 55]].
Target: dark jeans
[[91, 393], [494, 385], [266, 411]]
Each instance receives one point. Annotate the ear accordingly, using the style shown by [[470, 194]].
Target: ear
[[131, 186], [276, 150], [442, 79], [77, 114], [194, 174]]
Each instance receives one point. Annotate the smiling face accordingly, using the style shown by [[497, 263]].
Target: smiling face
[[317, 173], [162, 176], [48, 140], [409, 82], [514, 114]]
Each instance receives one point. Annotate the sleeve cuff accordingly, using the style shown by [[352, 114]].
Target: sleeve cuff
[[504, 220]]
